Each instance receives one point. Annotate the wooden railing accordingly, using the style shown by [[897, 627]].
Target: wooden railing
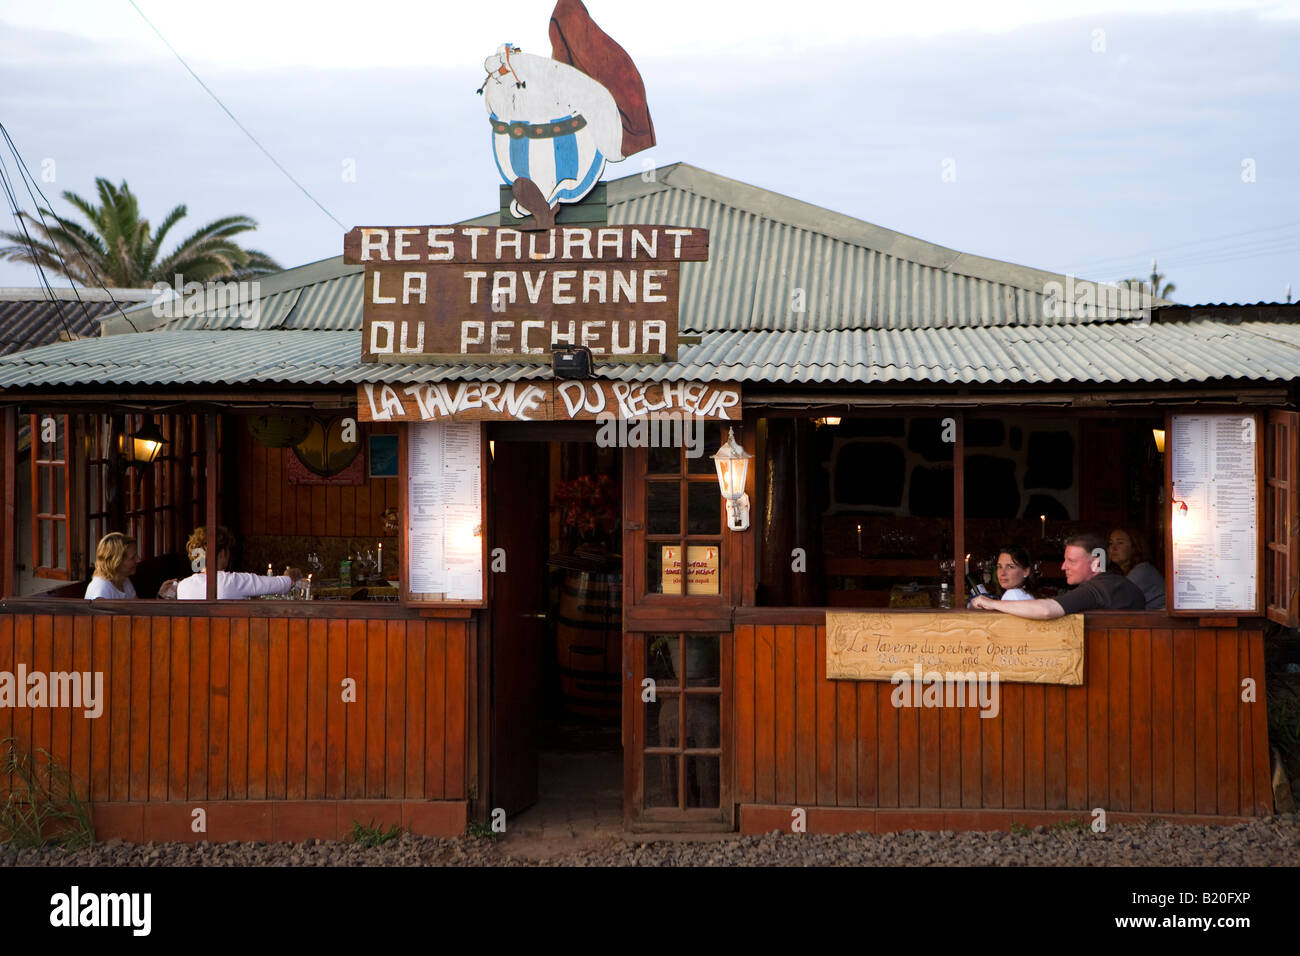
[[1158, 726], [232, 703]]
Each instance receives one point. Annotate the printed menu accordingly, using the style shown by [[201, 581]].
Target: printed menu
[[1215, 534], [444, 535]]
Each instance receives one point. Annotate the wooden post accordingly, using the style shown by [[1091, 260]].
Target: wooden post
[[959, 512], [9, 520], [210, 495]]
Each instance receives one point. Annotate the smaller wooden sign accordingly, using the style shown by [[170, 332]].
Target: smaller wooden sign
[[877, 646]]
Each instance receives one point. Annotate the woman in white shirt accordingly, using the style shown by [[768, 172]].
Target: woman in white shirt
[[115, 561], [1013, 570], [230, 584]]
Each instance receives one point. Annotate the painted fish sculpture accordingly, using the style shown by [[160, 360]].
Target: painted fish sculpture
[[556, 121]]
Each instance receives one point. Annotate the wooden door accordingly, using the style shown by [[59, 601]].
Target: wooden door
[[518, 611]]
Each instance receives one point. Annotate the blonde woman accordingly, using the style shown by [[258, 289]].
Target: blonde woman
[[115, 561], [230, 584]]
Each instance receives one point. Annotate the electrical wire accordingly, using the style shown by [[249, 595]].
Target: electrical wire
[[30, 182], [241, 126], [31, 244]]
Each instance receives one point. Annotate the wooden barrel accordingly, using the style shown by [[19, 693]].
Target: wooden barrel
[[589, 643]]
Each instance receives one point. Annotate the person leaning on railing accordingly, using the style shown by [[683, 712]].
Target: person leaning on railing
[[1095, 590], [116, 558], [230, 584]]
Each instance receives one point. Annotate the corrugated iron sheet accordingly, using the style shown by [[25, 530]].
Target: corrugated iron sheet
[[33, 323], [1115, 353]]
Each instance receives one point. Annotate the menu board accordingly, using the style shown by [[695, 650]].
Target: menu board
[[444, 512], [1214, 527]]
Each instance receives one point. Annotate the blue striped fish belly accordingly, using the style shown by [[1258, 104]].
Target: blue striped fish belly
[[564, 167]]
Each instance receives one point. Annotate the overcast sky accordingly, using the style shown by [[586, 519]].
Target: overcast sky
[[1082, 139]]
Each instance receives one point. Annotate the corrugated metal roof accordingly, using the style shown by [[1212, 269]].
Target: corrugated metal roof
[[774, 263], [1115, 353], [29, 319]]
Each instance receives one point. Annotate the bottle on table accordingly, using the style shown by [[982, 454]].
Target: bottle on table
[[945, 595]]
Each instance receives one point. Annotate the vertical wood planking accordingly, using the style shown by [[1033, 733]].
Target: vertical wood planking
[[805, 714], [1227, 693], [887, 786], [784, 694], [1035, 780], [82, 663], [1162, 721], [355, 774], [8, 663], [139, 740], [826, 765], [42, 652], [1012, 713], [159, 705], [909, 757], [1259, 727], [1206, 726], [1140, 691], [1245, 750], [1184, 722], [1098, 669], [413, 786], [178, 757], [764, 716], [846, 745], [1067, 742], [257, 482], [950, 755], [373, 702], [61, 717], [990, 748], [119, 759], [336, 710], [457, 678], [395, 712], [320, 518], [972, 757], [221, 742], [24, 636], [868, 790], [435, 710], [318, 687], [275, 523], [743, 662], [1118, 771], [295, 757], [258, 701], [347, 511], [202, 697], [928, 758], [277, 716]]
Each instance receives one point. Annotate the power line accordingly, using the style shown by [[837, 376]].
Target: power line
[[29, 181], [1170, 251], [31, 244], [244, 129]]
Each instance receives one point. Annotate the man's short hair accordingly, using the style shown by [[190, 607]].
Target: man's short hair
[[1088, 541]]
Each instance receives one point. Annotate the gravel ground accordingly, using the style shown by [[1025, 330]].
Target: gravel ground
[[1272, 841]]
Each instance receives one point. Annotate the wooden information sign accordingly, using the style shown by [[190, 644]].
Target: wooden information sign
[[452, 293], [876, 646]]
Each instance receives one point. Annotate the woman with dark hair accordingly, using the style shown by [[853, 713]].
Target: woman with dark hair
[[1126, 549], [1014, 569]]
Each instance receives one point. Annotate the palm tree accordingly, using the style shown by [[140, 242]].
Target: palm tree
[[1151, 282], [118, 249]]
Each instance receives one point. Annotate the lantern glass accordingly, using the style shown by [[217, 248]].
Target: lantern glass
[[142, 446]]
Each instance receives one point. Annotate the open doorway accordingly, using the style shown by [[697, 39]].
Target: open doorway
[[556, 629]]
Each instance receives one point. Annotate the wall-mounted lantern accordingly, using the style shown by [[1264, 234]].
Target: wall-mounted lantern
[[1159, 435], [142, 446], [732, 463]]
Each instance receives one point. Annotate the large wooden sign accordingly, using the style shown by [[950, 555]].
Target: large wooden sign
[[452, 293], [867, 646], [546, 401]]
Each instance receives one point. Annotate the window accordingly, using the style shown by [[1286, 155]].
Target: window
[[50, 497]]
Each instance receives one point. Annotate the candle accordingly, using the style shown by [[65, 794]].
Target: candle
[[268, 570], [859, 539], [967, 564], [1043, 519], [380, 568]]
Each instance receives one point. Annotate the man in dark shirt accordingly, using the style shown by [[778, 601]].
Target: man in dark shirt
[[1095, 590]]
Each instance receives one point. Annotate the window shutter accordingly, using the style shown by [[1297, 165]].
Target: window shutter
[[1282, 516]]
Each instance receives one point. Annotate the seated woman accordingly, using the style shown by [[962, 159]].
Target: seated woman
[[115, 561], [1127, 552], [230, 584], [1014, 568]]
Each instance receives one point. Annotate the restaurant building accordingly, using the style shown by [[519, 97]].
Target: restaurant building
[[908, 410]]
